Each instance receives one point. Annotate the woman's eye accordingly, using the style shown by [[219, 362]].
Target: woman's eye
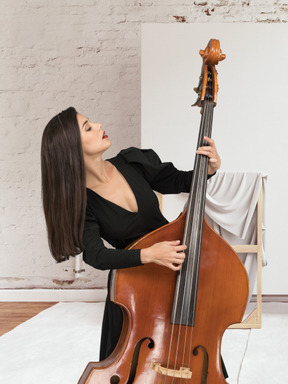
[[88, 129]]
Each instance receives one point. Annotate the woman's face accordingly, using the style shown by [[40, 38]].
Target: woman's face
[[93, 138]]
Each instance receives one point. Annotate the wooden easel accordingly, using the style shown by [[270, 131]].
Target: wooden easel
[[254, 319]]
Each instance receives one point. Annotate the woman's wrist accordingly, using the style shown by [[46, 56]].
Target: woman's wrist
[[144, 256]]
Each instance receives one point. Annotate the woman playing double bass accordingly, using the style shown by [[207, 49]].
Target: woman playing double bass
[[87, 199]]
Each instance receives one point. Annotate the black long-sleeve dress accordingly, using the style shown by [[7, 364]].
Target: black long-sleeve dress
[[145, 173]]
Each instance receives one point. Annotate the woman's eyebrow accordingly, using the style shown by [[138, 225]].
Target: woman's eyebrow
[[85, 122]]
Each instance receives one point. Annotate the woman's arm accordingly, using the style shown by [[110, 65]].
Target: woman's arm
[[164, 177], [97, 255], [167, 253]]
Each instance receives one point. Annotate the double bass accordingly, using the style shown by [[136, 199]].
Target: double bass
[[173, 322]]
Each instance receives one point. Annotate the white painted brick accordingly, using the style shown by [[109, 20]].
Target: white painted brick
[[58, 53]]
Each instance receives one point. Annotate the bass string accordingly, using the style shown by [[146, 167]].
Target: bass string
[[210, 108], [187, 285], [173, 322], [172, 331], [199, 169], [188, 219], [192, 288], [191, 280], [188, 224], [190, 260]]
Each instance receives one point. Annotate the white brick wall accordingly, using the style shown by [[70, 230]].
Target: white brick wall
[[84, 53]]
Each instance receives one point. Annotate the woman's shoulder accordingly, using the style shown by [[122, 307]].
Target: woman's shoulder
[[138, 155]]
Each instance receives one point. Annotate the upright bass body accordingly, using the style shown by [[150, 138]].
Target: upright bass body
[[143, 353], [173, 322]]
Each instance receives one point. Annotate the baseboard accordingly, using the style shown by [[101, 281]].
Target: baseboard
[[53, 295], [93, 295]]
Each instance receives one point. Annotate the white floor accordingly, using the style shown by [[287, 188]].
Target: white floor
[[55, 346]]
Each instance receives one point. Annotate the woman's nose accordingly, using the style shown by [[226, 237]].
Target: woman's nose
[[98, 126]]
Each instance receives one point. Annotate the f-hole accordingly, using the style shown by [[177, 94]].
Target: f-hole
[[135, 359], [205, 363]]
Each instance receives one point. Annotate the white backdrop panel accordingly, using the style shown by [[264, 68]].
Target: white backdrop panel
[[250, 122]]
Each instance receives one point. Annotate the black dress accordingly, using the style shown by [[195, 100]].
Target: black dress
[[145, 173]]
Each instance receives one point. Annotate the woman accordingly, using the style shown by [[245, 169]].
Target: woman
[[86, 198]]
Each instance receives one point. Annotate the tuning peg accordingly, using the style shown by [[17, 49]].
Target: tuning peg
[[222, 56], [203, 53]]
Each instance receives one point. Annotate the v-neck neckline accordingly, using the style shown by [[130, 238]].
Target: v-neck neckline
[[129, 185]]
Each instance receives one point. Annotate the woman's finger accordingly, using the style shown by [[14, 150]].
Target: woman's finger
[[174, 267]]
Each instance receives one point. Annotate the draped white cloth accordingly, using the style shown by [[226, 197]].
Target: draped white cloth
[[231, 209]]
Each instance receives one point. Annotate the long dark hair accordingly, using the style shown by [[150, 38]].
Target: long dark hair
[[63, 184]]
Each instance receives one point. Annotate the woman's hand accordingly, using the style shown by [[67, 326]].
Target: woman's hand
[[210, 151], [167, 253]]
